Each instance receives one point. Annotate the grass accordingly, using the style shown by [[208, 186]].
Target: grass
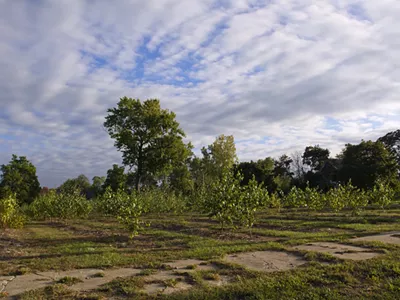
[[68, 280], [211, 276], [98, 275], [191, 267], [147, 272], [102, 243]]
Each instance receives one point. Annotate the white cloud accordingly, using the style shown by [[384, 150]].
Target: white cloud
[[276, 74]]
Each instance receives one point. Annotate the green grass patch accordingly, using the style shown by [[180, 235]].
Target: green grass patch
[[68, 280]]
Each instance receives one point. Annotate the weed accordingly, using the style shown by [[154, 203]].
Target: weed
[[98, 274], [191, 267], [147, 272], [67, 280], [212, 276]]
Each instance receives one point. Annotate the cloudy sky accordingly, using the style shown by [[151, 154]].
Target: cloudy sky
[[279, 74]]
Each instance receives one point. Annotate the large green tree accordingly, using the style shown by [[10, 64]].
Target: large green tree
[[261, 170], [392, 143], [97, 185], [80, 183], [19, 177], [180, 179], [116, 178], [149, 137], [220, 156], [364, 163], [315, 157]]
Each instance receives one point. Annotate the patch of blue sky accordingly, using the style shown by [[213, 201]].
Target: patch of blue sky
[[215, 33], [263, 141], [96, 61], [144, 56], [374, 123], [8, 137], [256, 70], [283, 20], [185, 68], [332, 124], [358, 12], [254, 5]]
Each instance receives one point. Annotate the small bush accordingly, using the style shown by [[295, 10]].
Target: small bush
[[10, 216], [67, 280], [126, 208], [382, 194], [62, 205]]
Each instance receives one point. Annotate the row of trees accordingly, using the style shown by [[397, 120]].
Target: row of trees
[[165, 176], [153, 150]]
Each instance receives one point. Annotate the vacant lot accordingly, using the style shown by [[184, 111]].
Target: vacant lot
[[290, 255]]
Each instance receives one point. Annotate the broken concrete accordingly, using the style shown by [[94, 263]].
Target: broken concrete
[[94, 278], [153, 288], [23, 283], [27, 282], [191, 265], [222, 280], [340, 250], [92, 282], [4, 281], [388, 238], [180, 286], [266, 261]]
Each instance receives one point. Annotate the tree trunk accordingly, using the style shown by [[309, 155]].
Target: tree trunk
[[139, 169], [137, 183]]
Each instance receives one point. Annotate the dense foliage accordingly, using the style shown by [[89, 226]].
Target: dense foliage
[[80, 184], [232, 203], [60, 205], [150, 139], [10, 216], [19, 178], [165, 177], [364, 163], [126, 208]]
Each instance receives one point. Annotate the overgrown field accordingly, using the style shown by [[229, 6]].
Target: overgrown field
[[103, 243]]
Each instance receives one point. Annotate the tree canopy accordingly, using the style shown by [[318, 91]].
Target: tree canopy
[[149, 137], [392, 142], [97, 185], [80, 183], [19, 177], [315, 157], [367, 162], [116, 178]]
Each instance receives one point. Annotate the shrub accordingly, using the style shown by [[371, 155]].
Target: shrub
[[61, 205], [10, 216], [111, 202], [44, 207], [126, 208], [314, 199], [382, 194], [224, 197], [229, 202], [347, 196], [335, 198], [129, 215], [162, 200], [296, 198], [253, 196]]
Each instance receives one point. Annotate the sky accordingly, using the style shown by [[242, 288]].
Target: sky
[[279, 74]]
